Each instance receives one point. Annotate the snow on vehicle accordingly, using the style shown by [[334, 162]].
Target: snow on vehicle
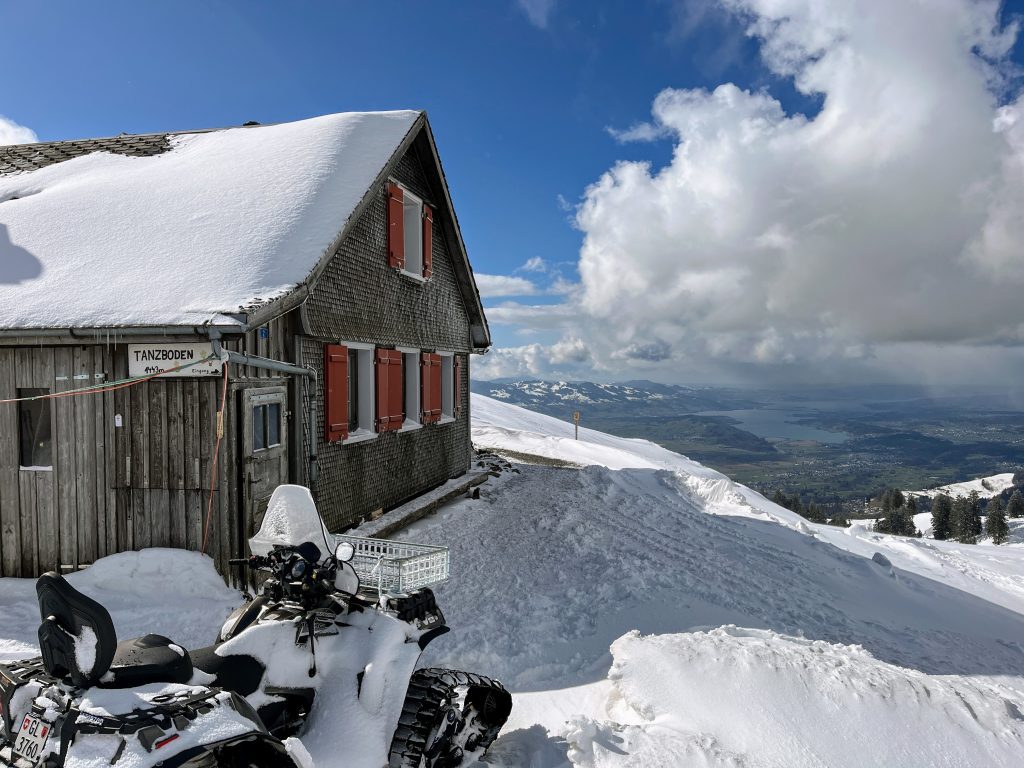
[[320, 653]]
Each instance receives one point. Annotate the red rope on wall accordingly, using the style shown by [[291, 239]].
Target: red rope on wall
[[97, 389], [216, 456]]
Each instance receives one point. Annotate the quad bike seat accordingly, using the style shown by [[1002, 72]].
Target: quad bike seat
[[77, 641], [149, 659]]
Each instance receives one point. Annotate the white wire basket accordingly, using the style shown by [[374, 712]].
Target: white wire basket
[[397, 567]]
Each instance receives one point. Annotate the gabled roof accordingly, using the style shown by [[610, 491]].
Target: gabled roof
[[191, 229]]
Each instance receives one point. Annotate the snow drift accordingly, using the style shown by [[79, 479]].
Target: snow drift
[[737, 697]]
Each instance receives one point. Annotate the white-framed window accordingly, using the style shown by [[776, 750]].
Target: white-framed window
[[361, 392], [411, 387], [447, 386], [266, 424], [412, 214]]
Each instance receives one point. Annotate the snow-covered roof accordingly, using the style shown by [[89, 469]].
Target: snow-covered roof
[[218, 221]]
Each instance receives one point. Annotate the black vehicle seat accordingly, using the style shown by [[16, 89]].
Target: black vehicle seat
[[77, 641], [76, 636], [149, 659]]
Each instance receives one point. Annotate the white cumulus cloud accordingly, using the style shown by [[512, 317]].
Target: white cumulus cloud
[[503, 285], [894, 216], [12, 133]]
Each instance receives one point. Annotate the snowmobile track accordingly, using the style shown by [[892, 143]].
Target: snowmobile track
[[486, 707]]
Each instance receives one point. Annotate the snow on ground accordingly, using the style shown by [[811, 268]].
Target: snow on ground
[[986, 487], [168, 592], [223, 219], [647, 611], [555, 571]]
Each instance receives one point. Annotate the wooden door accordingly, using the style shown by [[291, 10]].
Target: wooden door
[[264, 450]]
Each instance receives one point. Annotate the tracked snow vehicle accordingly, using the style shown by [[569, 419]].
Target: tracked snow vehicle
[[327, 651]]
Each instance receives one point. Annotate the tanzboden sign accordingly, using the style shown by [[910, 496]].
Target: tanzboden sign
[[147, 359]]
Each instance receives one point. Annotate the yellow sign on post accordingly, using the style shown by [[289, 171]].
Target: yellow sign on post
[[576, 421]]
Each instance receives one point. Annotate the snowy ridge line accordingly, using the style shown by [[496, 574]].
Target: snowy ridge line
[[985, 487]]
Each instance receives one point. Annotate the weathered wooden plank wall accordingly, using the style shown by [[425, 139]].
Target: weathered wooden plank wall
[[10, 491], [131, 467]]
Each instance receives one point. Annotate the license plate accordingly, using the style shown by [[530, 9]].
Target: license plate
[[31, 738]]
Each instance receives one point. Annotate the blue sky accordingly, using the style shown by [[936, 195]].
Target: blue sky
[[519, 107], [521, 94]]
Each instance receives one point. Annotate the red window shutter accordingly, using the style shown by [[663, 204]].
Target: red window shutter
[[428, 234], [389, 390], [457, 385], [396, 227], [435, 387], [383, 418], [335, 392], [430, 378], [425, 387]]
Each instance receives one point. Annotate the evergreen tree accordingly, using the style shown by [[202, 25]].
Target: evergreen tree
[[1015, 508], [780, 498], [975, 501], [884, 522], [815, 513], [897, 498], [895, 517], [942, 507], [961, 522], [995, 522], [909, 527]]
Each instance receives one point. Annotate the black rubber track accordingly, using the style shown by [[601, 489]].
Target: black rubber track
[[486, 707]]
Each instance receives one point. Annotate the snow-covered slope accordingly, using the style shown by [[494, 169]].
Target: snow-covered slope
[[647, 611], [985, 487]]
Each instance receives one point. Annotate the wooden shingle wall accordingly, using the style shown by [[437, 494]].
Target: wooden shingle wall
[[359, 298]]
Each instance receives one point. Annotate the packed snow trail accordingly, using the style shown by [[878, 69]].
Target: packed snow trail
[[586, 555], [995, 574]]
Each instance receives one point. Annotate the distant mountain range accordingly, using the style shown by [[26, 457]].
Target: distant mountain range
[[641, 398]]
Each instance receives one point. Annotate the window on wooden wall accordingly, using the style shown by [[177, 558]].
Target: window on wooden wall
[[410, 233], [447, 386], [412, 209], [348, 392], [410, 388], [266, 426], [352, 387], [431, 387], [35, 431]]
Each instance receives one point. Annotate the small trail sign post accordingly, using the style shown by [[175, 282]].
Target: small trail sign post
[[576, 421]]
